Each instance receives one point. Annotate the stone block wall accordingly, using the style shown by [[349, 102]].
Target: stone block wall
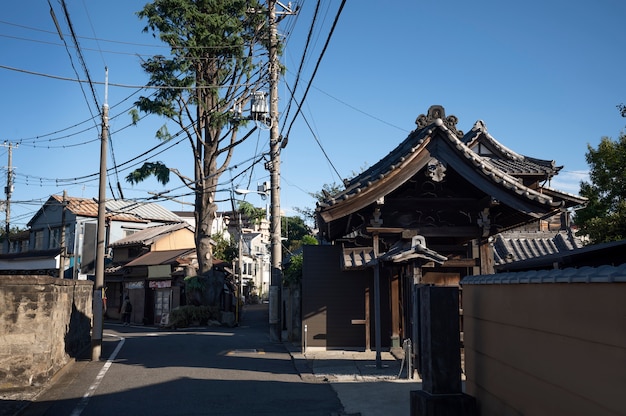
[[44, 323]]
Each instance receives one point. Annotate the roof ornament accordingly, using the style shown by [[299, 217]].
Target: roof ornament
[[484, 221], [438, 112], [436, 170]]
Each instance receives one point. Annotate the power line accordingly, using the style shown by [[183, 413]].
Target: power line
[[156, 87], [317, 65]]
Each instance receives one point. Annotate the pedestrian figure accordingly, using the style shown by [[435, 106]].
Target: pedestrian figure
[[126, 309]]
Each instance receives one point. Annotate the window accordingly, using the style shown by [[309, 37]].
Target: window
[[38, 240], [55, 238], [128, 232]]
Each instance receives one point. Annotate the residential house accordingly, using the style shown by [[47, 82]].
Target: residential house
[[61, 238], [255, 265], [426, 214], [149, 266]]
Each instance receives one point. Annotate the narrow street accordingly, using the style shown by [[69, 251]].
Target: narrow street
[[208, 371]]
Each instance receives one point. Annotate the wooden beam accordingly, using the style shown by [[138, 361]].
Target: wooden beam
[[460, 263]]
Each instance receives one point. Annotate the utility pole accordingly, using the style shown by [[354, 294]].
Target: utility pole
[[96, 333], [62, 244], [273, 166], [8, 190], [276, 276]]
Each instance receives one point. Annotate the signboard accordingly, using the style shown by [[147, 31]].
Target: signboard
[[134, 285], [160, 284], [162, 270]]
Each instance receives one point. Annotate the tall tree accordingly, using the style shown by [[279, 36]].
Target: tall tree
[[604, 217], [212, 68]]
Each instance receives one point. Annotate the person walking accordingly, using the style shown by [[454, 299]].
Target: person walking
[[126, 309]]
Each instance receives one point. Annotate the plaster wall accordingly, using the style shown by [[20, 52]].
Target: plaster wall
[[44, 323], [546, 348]]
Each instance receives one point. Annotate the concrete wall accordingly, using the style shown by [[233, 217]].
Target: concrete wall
[[551, 345], [44, 323]]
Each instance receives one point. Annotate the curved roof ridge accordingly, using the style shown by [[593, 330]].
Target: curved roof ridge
[[479, 130]]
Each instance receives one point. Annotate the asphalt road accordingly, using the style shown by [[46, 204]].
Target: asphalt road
[[213, 371]]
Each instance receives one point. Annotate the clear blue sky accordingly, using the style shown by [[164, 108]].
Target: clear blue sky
[[544, 76]]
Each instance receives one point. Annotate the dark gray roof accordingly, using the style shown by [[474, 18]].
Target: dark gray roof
[[512, 246], [587, 274], [155, 258], [502, 171], [485, 145]]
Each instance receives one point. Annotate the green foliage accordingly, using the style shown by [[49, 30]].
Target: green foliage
[[255, 215], [194, 283], [14, 230], [215, 51], [293, 273], [327, 190], [156, 169], [184, 316], [224, 249], [309, 240], [296, 232], [604, 217]]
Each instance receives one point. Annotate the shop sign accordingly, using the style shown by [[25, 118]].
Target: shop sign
[[160, 284]]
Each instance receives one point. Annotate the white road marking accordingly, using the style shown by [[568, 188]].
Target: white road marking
[[85, 399]]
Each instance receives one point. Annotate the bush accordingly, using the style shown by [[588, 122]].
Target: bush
[[186, 315]]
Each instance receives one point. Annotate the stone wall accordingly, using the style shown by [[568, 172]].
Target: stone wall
[[44, 323]]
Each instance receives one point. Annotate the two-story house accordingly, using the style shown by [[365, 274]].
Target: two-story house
[[61, 238], [149, 267]]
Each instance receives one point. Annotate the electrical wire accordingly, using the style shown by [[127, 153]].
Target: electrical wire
[[317, 65]]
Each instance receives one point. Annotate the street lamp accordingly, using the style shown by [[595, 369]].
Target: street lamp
[[275, 298], [262, 190]]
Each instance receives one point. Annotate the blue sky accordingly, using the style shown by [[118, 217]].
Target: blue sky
[[545, 77]]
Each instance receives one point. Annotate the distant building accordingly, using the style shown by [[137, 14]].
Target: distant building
[[61, 236]]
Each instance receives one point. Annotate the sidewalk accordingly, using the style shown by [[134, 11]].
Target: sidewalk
[[363, 389]]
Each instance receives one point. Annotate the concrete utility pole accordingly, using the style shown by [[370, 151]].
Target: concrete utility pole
[[8, 190], [276, 276], [96, 333], [62, 243]]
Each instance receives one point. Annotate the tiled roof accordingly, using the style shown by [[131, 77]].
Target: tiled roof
[[416, 143], [155, 258], [120, 210], [504, 158], [512, 246], [150, 235], [587, 274]]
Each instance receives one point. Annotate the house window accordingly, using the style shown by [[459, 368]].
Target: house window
[[129, 232], [16, 246], [38, 240], [55, 238]]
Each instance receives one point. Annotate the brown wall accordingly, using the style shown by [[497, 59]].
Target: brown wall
[[546, 348], [44, 322]]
